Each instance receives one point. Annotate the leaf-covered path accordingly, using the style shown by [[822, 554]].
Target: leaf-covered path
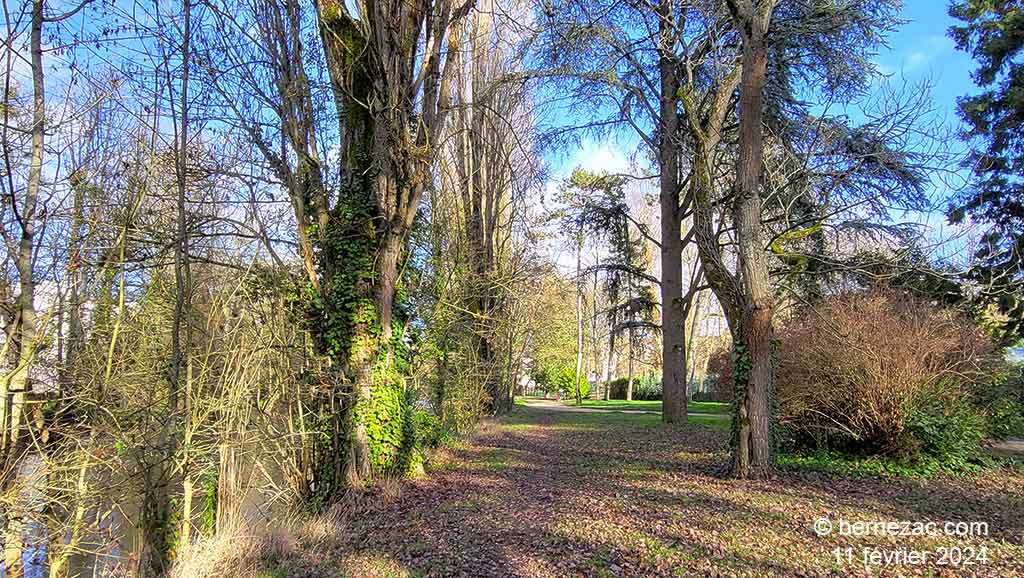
[[556, 494]]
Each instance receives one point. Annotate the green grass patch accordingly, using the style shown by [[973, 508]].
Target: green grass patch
[[721, 423], [708, 407], [637, 405], [618, 404], [526, 418]]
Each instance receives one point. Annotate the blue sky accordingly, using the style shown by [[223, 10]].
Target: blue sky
[[921, 48]]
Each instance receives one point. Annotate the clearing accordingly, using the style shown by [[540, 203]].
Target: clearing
[[544, 493]]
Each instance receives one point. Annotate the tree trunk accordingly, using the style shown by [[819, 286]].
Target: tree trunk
[[18, 389], [609, 375], [478, 239], [155, 526], [693, 353], [370, 350], [484, 178], [59, 564], [376, 76], [755, 330], [183, 280], [579, 315], [188, 481], [673, 320], [357, 457], [76, 284], [629, 365]]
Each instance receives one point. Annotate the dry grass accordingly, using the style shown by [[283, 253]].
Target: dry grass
[[237, 553], [293, 545]]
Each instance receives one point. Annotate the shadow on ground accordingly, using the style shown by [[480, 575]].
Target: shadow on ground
[[545, 494]]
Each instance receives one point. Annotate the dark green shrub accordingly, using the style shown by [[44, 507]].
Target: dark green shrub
[[949, 430], [618, 388], [645, 388], [1005, 418], [1002, 402]]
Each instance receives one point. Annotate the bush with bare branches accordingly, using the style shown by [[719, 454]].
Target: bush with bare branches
[[858, 371], [881, 373]]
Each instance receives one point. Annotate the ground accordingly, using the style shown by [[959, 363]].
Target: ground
[[545, 493]]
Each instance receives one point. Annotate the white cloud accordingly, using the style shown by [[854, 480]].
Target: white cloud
[[915, 59], [924, 52]]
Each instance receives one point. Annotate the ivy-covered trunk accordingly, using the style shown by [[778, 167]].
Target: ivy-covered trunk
[[372, 364], [157, 531], [389, 102], [345, 324]]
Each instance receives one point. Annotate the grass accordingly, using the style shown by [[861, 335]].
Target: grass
[[707, 421], [638, 405], [523, 417]]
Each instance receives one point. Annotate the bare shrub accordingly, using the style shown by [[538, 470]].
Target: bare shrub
[[853, 368]]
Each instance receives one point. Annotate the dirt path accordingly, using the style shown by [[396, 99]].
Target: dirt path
[[549, 493], [550, 405], [1010, 447]]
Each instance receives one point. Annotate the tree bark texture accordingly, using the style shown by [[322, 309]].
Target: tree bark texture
[[673, 318]]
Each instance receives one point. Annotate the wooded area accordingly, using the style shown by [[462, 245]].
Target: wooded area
[[322, 287]]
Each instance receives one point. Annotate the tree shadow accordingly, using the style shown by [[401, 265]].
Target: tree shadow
[[557, 494]]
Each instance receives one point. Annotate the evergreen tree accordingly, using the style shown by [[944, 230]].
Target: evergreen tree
[[992, 31]]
